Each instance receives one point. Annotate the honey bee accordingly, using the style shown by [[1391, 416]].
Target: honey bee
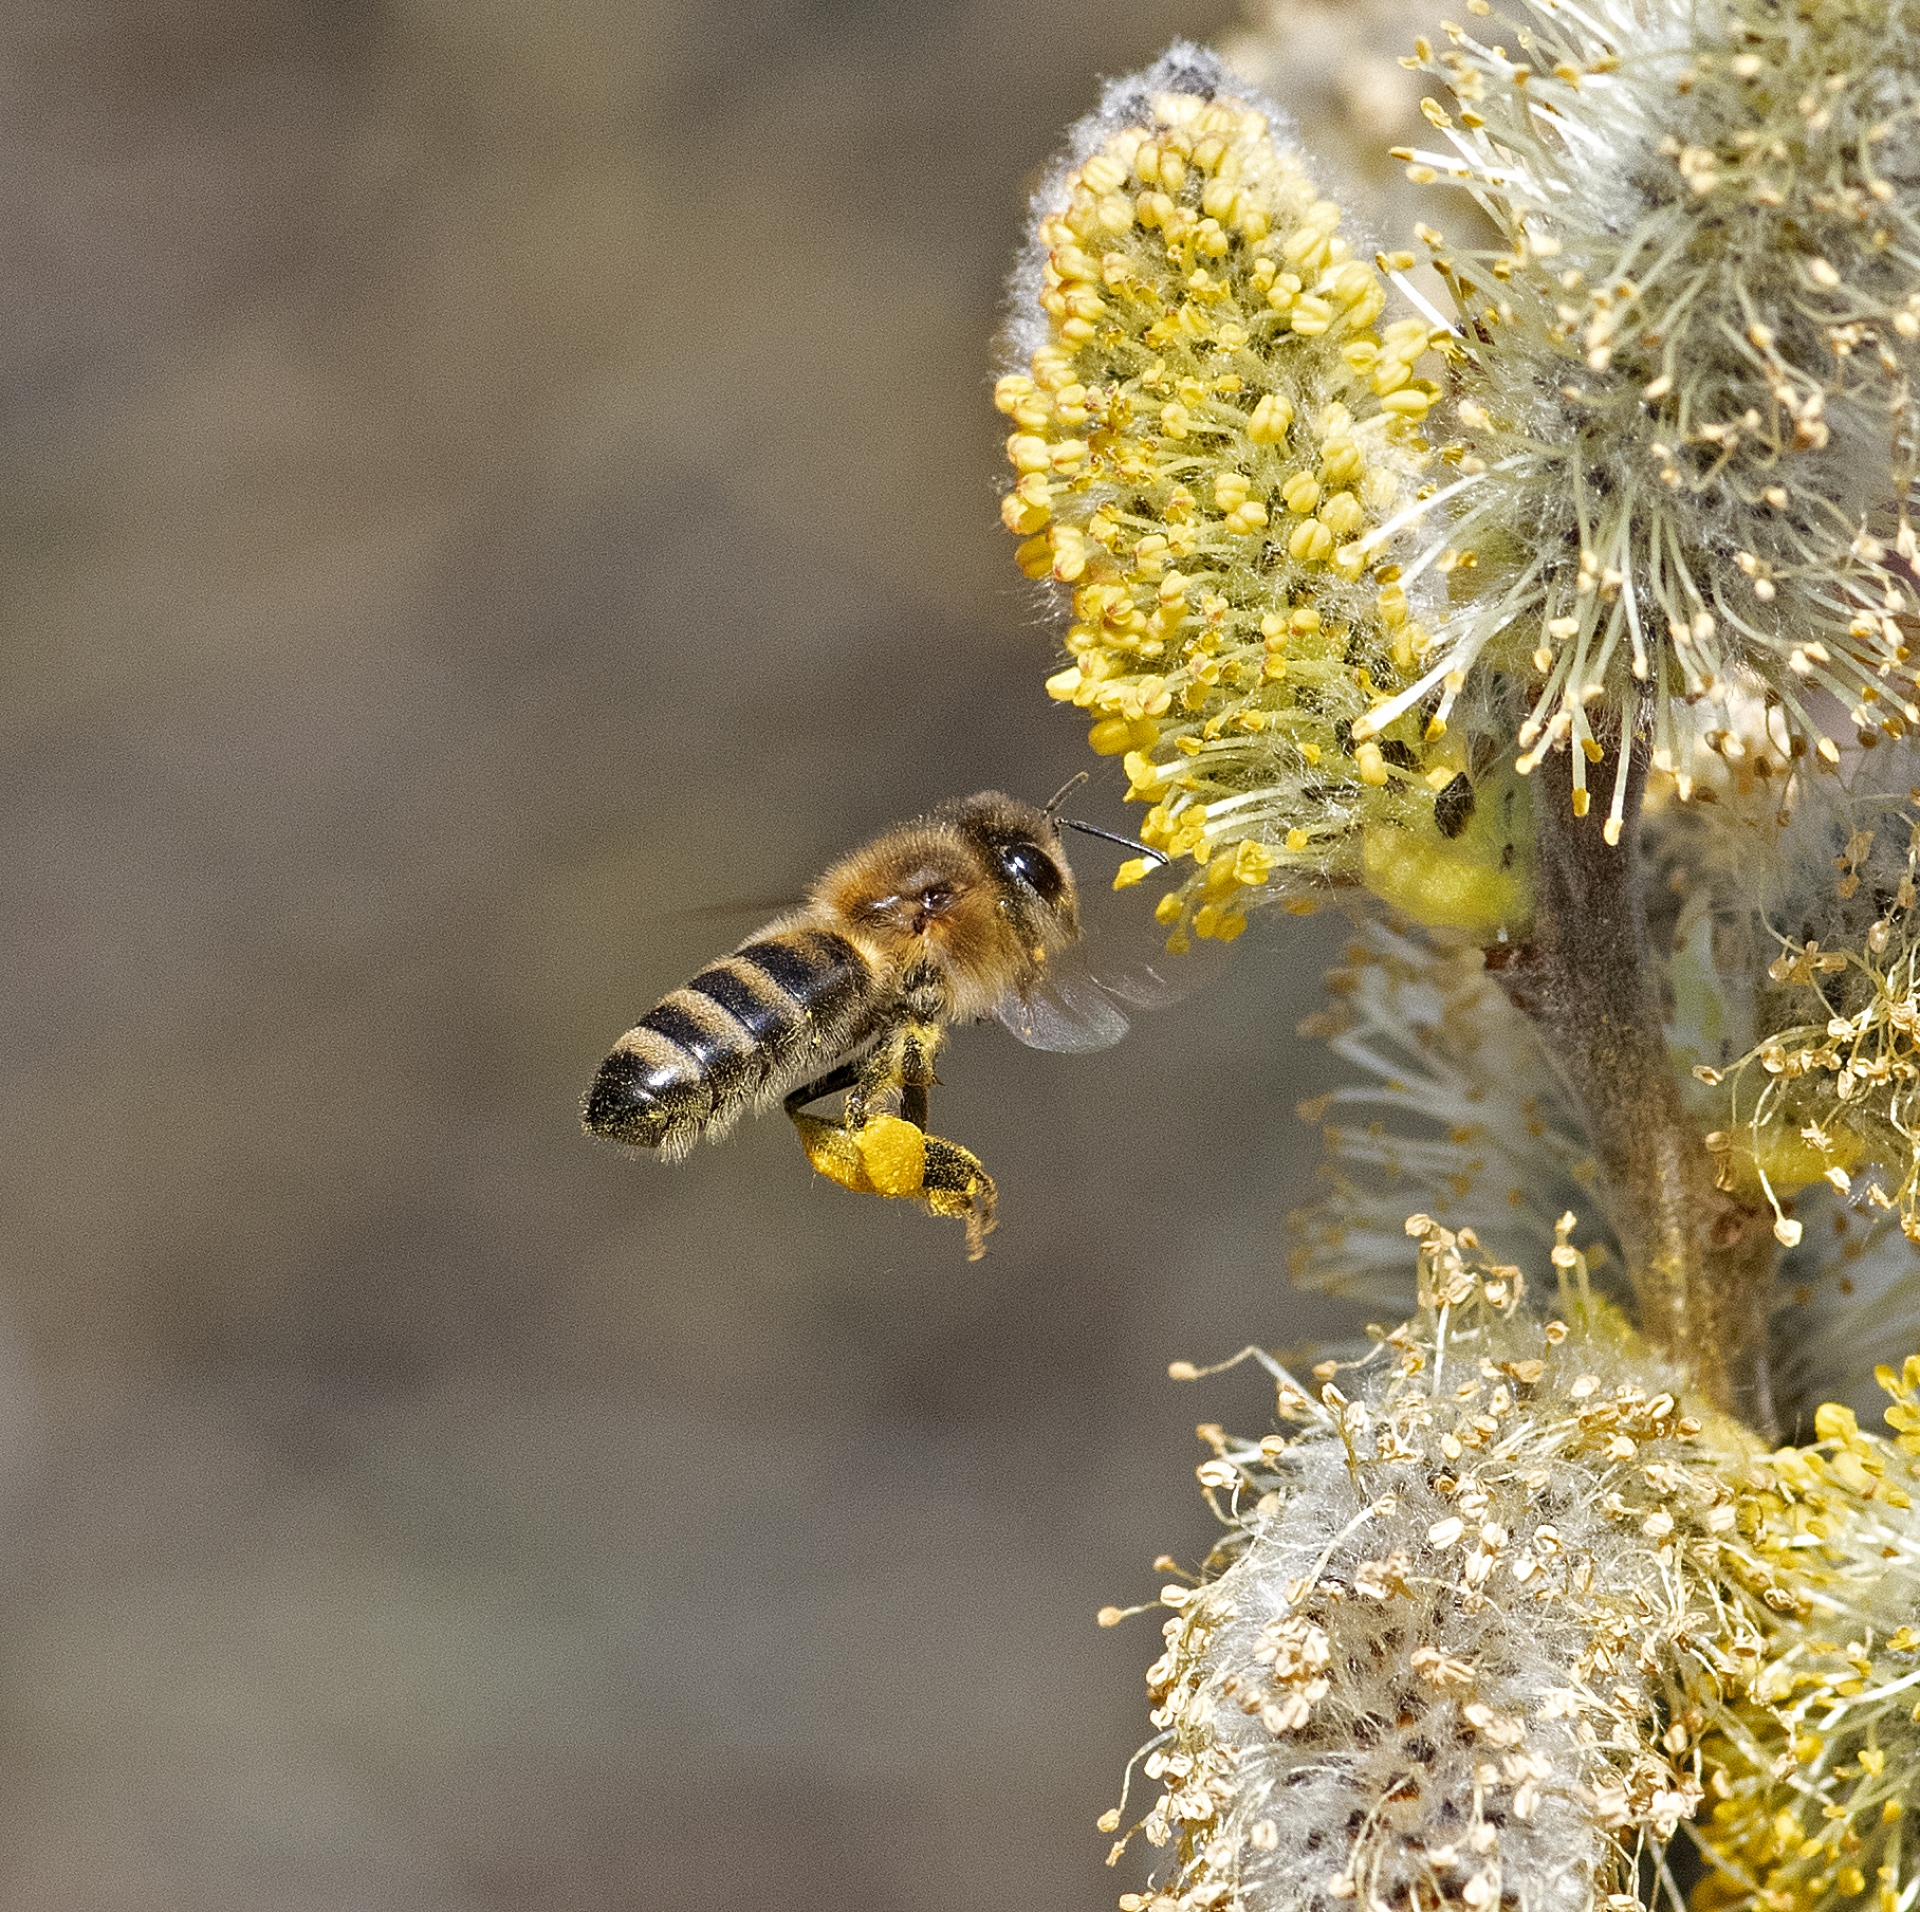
[[952, 917]]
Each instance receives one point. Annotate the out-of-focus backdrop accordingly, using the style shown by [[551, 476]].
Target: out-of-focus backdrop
[[480, 481]]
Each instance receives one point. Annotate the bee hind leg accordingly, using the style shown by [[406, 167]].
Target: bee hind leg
[[889, 1156], [853, 1151], [956, 1184], [893, 1155], [845, 1077]]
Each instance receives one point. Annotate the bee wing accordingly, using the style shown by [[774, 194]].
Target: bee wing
[[1076, 1003], [1067, 1009]]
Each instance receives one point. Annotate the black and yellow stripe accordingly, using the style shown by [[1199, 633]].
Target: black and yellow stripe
[[778, 1010]]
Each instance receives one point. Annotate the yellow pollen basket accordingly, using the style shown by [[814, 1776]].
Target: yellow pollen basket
[[887, 1155]]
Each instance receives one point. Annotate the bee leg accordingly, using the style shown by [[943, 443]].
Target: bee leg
[[889, 1156], [918, 1045], [844, 1077], [860, 1151], [893, 1155], [955, 1184], [901, 1065], [834, 1152], [913, 1103]]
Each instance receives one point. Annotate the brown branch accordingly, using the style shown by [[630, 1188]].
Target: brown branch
[[1701, 1262]]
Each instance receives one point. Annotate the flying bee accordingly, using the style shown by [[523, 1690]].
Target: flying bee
[[953, 917]]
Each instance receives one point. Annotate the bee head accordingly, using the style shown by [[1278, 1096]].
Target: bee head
[[1020, 845]]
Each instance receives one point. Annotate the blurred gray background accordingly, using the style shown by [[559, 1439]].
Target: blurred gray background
[[480, 481]]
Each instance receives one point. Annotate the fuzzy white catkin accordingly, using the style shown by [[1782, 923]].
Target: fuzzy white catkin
[[1463, 1597], [1685, 367], [1454, 1111]]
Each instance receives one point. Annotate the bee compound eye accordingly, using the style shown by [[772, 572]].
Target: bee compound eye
[[1029, 864]]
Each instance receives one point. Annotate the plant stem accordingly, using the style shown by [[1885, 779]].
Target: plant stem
[[1701, 1261]]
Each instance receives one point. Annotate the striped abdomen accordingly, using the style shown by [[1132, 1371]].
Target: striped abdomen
[[777, 1012]]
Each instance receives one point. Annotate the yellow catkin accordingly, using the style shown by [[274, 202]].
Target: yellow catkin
[[1832, 1088], [1208, 423], [1810, 1759]]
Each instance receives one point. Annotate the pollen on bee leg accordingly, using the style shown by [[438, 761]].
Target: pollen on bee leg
[[893, 1155], [883, 1156], [959, 1188], [831, 1149], [887, 1155]]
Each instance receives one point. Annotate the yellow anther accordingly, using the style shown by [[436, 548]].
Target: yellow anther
[[1832, 1422], [1035, 557], [1272, 419], [1253, 863], [1071, 263], [1069, 548], [1010, 390], [1342, 514], [1341, 462], [1312, 543], [1310, 316], [1223, 201], [1022, 512]]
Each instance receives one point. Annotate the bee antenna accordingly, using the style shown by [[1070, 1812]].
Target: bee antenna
[[1073, 782], [1126, 842]]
